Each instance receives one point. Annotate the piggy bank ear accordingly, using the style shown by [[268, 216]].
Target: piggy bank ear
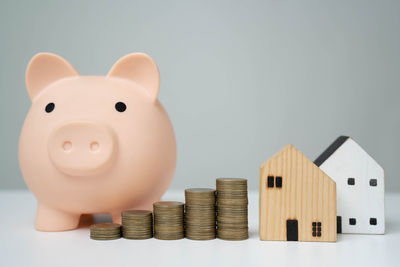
[[141, 69], [44, 69]]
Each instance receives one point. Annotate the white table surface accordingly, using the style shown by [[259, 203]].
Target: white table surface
[[21, 245]]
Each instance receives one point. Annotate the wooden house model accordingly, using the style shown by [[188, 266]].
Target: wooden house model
[[297, 199], [360, 187]]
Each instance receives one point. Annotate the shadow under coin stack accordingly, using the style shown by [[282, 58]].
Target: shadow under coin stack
[[105, 231], [168, 220], [232, 213], [200, 213], [137, 224]]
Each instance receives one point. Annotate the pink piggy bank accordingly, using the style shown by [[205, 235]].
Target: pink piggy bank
[[94, 144]]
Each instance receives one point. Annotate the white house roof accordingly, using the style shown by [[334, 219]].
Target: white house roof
[[331, 149]]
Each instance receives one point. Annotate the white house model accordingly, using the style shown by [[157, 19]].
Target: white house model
[[359, 184]]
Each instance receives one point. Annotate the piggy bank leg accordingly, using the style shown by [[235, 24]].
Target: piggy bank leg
[[53, 220], [116, 217], [147, 205]]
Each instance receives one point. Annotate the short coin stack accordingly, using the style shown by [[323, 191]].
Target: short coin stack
[[105, 231], [232, 213], [137, 224], [200, 213], [168, 220]]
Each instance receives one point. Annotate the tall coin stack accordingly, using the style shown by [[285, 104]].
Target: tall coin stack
[[105, 231], [168, 220], [200, 213], [137, 224], [232, 213]]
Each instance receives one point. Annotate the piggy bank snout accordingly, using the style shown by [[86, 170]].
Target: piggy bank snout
[[80, 148]]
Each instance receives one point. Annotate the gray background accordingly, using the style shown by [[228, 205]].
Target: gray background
[[240, 79]]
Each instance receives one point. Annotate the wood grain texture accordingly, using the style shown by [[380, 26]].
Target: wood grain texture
[[307, 195]]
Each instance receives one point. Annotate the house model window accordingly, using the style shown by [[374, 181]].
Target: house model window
[[351, 181], [278, 181], [273, 181], [316, 229], [270, 181], [373, 182]]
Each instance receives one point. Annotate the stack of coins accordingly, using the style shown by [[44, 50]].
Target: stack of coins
[[200, 213], [105, 231], [168, 220], [232, 222], [137, 224]]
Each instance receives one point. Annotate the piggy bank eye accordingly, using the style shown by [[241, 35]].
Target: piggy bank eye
[[50, 107], [120, 107]]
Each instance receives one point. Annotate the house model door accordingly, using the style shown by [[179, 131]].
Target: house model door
[[292, 230]]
